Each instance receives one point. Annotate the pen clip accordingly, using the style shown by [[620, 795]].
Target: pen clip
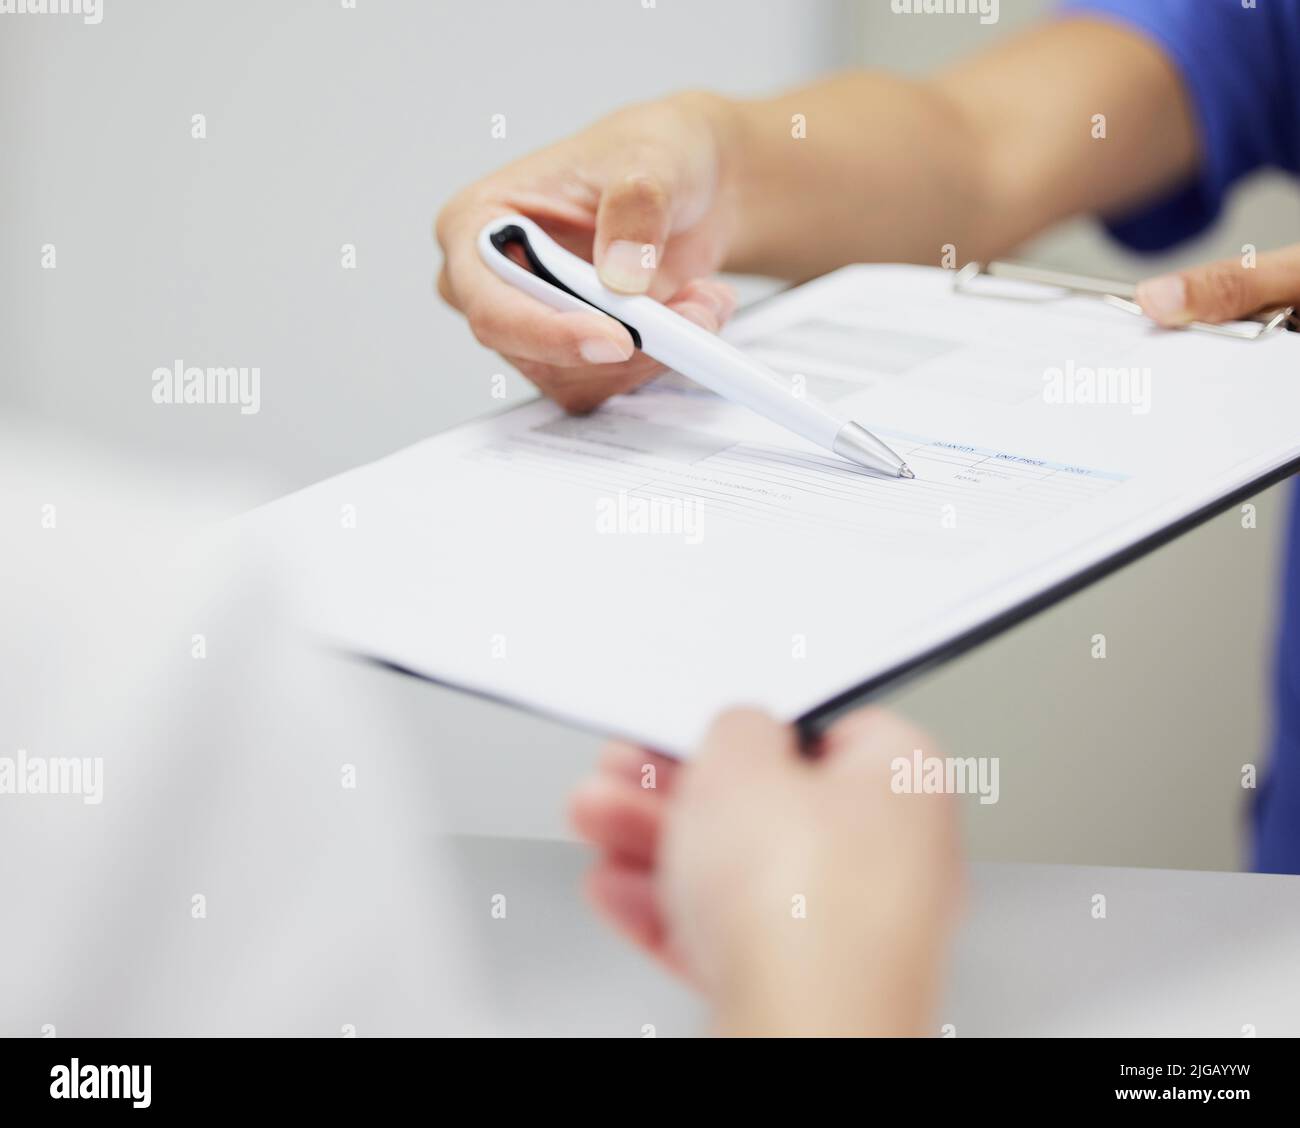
[[513, 231]]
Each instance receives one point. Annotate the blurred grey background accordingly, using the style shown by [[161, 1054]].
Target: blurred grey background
[[329, 125]]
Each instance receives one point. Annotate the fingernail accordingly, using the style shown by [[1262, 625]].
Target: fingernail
[[1164, 298], [621, 268], [601, 350]]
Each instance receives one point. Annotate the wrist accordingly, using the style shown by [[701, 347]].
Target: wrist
[[864, 993], [840, 970]]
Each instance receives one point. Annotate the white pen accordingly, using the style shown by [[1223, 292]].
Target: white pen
[[568, 283]]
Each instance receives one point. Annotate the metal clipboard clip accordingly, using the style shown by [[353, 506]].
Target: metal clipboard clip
[[1117, 294]]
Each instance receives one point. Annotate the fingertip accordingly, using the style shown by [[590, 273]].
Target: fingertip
[[747, 733], [617, 755], [601, 350], [720, 294], [872, 739], [593, 339], [588, 803], [627, 267], [730, 299], [1164, 300], [617, 817], [856, 725], [515, 324], [743, 717], [708, 293], [629, 763]]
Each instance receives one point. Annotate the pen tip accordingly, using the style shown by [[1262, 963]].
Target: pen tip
[[905, 472]]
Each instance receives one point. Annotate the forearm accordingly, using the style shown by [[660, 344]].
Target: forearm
[[980, 157], [886, 172]]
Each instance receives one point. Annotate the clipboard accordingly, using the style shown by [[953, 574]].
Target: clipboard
[[1119, 295], [543, 472]]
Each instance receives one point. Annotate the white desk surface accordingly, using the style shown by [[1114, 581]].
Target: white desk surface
[[1179, 953]]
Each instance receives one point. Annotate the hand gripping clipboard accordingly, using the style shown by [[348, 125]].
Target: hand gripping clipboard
[[1058, 284]]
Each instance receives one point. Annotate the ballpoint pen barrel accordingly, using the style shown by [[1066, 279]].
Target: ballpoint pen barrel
[[722, 368]]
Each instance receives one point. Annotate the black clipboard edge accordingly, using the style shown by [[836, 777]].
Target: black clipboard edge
[[815, 721]]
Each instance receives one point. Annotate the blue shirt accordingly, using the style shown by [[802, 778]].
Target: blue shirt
[[1241, 68]]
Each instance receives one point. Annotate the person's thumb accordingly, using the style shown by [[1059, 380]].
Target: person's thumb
[[1223, 291], [631, 228], [742, 744]]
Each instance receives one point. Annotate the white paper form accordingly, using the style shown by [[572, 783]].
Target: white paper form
[[638, 569]]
